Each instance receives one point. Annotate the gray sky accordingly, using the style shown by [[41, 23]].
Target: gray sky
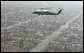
[[62, 3]]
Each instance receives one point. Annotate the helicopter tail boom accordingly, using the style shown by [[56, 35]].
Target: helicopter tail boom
[[59, 11]]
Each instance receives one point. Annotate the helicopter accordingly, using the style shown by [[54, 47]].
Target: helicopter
[[47, 12]]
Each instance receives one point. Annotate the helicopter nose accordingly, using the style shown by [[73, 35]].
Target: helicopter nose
[[33, 12]]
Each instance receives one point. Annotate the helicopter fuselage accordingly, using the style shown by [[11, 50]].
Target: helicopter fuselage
[[44, 13], [47, 12]]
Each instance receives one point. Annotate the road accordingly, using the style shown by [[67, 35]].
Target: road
[[45, 42], [10, 21], [15, 25]]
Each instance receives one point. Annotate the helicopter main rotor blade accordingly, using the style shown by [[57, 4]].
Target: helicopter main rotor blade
[[47, 8]]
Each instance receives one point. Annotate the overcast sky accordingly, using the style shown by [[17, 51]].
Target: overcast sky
[[62, 3]]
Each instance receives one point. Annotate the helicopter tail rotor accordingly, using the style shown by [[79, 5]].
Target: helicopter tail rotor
[[61, 9]]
